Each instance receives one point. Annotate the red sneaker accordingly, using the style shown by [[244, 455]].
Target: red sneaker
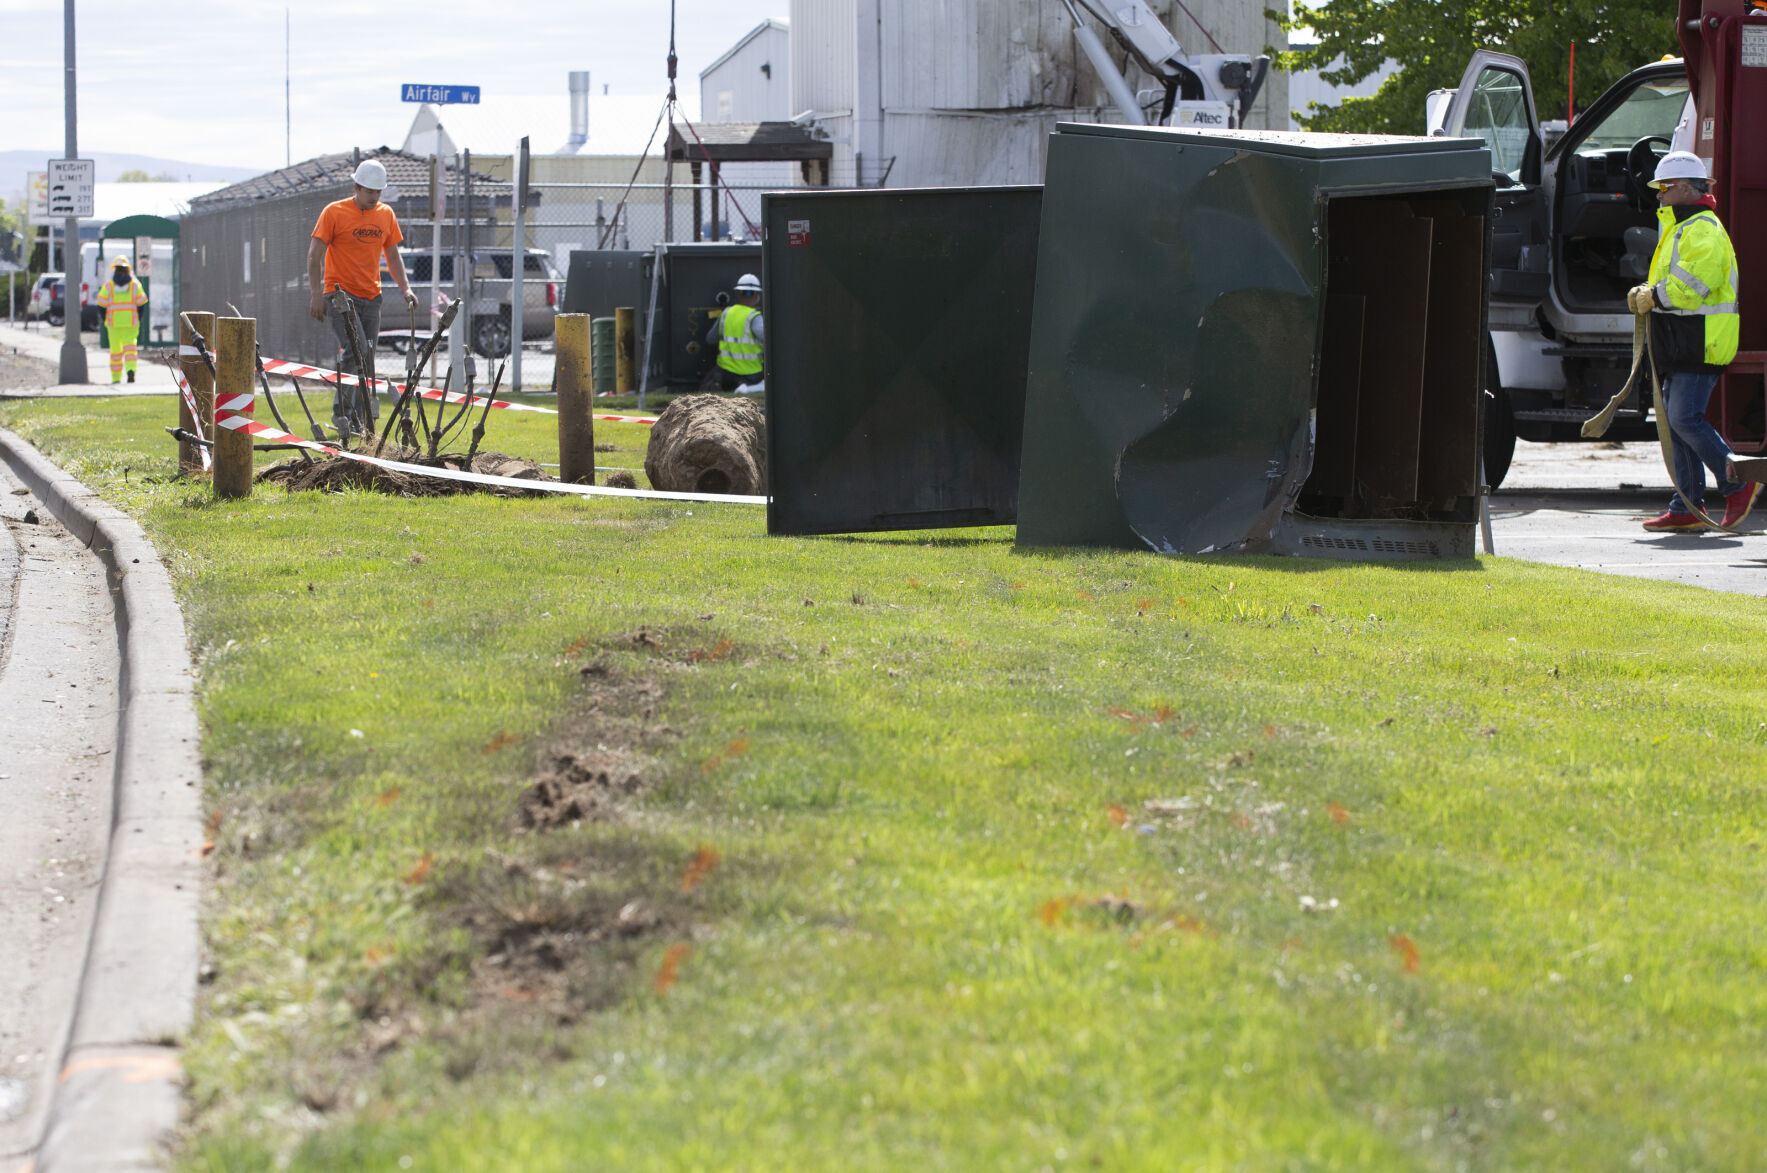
[[1673, 522], [1738, 504]]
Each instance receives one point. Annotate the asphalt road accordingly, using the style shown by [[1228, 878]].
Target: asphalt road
[[58, 706], [1583, 505]]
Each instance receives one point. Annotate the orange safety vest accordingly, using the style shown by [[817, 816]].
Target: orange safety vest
[[120, 303]]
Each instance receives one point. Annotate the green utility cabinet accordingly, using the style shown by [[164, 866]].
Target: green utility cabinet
[[1257, 341], [599, 281], [897, 326]]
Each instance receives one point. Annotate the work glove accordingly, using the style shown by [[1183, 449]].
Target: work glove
[[1640, 299]]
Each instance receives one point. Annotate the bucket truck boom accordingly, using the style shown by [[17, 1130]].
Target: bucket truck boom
[[1211, 90]]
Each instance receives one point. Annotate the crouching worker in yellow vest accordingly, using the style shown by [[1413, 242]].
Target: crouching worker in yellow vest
[[741, 335], [121, 298]]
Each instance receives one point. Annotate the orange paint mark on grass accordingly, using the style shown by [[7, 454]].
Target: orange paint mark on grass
[[419, 870], [1409, 958], [1338, 814], [717, 652], [670, 970], [387, 797], [735, 749], [498, 743], [1050, 911], [699, 867], [1118, 815]]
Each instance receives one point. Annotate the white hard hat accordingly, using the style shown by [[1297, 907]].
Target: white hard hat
[[1679, 165], [370, 173], [748, 283]]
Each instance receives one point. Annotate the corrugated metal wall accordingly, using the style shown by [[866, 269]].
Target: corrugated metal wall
[[736, 89], [272, 285], [970, 88]]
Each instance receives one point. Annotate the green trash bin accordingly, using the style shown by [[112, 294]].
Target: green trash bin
[[601, 355]]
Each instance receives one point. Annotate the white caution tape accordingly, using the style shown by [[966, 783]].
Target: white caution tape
[[233, 419]]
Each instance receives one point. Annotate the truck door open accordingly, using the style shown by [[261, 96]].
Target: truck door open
[[1495, 102]]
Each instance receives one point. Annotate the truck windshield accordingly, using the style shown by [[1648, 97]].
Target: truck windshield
[[1652, 109]]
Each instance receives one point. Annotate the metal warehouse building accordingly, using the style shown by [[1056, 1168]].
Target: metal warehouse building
[[245, 246]]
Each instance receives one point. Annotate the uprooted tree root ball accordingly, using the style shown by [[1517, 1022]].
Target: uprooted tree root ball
[[332, 473]]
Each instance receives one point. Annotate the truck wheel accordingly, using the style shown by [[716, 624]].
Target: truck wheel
[[490, 336], [1497, 445]]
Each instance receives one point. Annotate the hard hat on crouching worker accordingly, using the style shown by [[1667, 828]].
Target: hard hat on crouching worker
[[748, 283], [370, 173], [1678, 165]]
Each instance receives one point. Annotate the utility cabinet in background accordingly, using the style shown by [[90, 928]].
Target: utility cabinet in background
[[599, 281], [1233, 341]]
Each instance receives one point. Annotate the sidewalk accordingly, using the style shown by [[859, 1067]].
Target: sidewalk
[[44, 342]]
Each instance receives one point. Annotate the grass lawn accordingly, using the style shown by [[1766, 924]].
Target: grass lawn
[[594, 834]]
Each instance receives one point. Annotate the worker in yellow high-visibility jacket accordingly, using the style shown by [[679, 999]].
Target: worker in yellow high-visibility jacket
[[740, 334], [121, 298]]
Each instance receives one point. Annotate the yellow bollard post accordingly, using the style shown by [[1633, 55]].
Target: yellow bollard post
[[202, 388], [235, 347], [576, 428], [625, 350]]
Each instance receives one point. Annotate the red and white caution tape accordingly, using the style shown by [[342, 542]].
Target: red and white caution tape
[[290, 369], [190, 404], [234, 415], [295, 370]]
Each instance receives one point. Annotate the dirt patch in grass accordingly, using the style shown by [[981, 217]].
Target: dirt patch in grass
[[558, 930], [560, 938], [602, 755], [337, 472]]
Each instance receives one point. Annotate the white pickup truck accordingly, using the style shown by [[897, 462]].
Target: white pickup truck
[[1574, 230]]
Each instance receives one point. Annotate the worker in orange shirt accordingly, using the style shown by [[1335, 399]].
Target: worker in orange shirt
[[121, 299], [349, 240]]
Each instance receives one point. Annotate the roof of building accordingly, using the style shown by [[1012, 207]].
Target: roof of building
[[745, 142], [769, 23], [407, 172]]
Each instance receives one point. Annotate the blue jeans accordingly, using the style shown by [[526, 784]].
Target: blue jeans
[[1698, 446]]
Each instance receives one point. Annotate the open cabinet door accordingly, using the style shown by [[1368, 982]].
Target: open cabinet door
[[1495, 103]]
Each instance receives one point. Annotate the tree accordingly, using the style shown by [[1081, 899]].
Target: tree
[[1431, 40]]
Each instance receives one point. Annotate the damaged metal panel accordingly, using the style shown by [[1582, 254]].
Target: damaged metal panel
[[898, 324], [1191, 339]]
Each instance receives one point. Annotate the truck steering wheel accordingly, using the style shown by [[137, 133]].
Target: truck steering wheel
[[1641, 167]]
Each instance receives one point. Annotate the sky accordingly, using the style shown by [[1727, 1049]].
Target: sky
[[202, 80]]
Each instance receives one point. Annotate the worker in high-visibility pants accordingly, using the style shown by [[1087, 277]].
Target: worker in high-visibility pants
[[121, 298]]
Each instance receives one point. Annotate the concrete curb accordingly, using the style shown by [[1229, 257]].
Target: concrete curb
[[119, 1095]]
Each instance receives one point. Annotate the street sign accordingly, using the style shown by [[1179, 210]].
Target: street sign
[[37, 191], [439, 95], [71, 183]]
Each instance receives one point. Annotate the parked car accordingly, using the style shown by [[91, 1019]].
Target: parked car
[[46, 303], [41, 295], [487, 313]]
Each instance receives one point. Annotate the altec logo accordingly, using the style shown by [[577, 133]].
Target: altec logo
[[1204, 118]]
